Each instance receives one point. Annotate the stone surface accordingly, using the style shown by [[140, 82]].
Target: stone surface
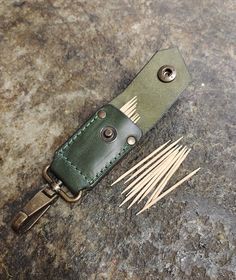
[[59, 61]]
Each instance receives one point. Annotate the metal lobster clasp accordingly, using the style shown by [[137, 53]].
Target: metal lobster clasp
[[34, 209], [40, 203]]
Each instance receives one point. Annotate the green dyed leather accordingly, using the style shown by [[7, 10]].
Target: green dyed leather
[[85, 158], [154, 96]]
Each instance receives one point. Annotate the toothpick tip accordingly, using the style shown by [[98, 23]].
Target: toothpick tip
[[140, 211], [196, 170]]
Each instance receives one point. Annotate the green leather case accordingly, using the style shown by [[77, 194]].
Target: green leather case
[[85, 158]]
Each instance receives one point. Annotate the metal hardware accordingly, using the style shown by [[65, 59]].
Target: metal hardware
[[108, 134], [167, 73], [40, 203], [34, 209], [102, 114], [131, 140], [56, 186]]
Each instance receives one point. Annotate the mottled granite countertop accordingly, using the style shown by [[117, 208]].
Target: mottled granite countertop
[[59, 61]]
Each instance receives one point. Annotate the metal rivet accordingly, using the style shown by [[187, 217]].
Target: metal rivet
[[102, 114], [131, 140], [166, 73], [108, 134]]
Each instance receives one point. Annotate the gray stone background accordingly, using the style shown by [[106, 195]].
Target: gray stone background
[[60, 61]]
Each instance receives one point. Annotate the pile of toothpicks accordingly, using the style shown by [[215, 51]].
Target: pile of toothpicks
[[149, 178]]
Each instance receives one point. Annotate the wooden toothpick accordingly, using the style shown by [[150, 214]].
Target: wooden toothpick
[[157, 179], [149, 177], [140, 163], [169, 190], [128, 104], [180, 158], [149, 169], [154, 169], [153, 160], [129, 109], [160, 172], [152, 174]]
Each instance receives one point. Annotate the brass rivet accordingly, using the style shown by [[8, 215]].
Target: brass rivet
[[166, 73], [131, 140], [102, 114]]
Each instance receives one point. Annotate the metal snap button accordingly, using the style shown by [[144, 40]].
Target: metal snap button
[[166, 73], [108, 134]]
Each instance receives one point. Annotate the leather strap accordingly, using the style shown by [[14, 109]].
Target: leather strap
[[154, 96]]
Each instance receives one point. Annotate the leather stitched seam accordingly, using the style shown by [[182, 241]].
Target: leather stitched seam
[[71, 141], [91, 180], [98, 174], [109, 164], [74, 167]]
